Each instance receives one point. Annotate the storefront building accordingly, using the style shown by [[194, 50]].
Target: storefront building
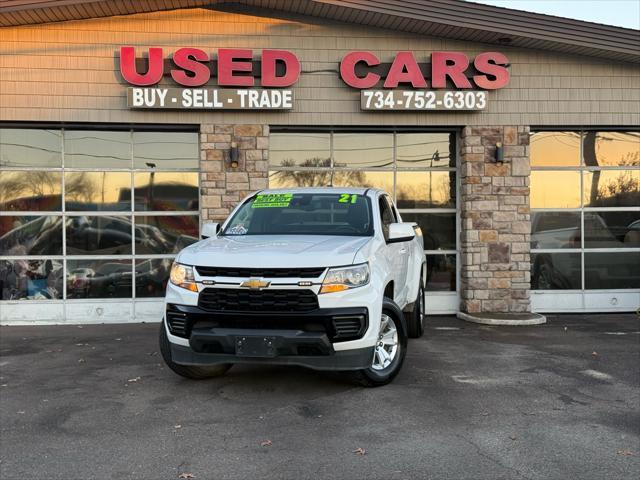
[[512, 139]]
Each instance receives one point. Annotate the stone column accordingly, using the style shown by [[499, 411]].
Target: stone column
[[496, 224], [221, 186]]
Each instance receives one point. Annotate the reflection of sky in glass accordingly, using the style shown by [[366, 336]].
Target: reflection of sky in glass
[[165, 150], [553, 189], [363, 150], [30, 148], [415, 150], [552, 149], [298, 148], [93, 149], [618, 148]]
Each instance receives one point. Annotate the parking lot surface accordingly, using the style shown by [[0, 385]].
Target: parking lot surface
[[560, 400]]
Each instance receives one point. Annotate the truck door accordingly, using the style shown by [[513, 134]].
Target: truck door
[[398, 252]]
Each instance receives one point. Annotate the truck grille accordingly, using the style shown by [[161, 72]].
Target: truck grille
[[260, 272], [276, 300]]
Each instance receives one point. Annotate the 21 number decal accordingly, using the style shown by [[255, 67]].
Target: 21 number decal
[[348, 198]]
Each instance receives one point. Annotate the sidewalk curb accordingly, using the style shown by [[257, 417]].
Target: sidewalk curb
[[513, 319]]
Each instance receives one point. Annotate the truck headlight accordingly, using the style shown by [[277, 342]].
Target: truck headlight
[[182, 276], [344, 278]]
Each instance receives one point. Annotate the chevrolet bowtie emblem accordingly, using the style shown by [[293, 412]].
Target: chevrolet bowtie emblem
[[255, 284]]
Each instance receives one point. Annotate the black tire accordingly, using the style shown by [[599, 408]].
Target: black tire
[[370, 377], [194, 373], [415, 319]]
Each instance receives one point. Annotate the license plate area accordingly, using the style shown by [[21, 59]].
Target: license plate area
[[256, 346]]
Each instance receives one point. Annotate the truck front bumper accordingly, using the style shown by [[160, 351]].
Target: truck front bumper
[[199, 337]]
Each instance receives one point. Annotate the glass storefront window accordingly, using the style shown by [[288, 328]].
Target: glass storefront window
[[99, 278], [20, 147], [359, 178], [608, 229], [171, 150], [438, 229], [98, 235], [441, 273], [555, 189], [30, 279], [165, 234], [425, 150], [612, 270], [30, 235], [303, 149], [152, 276], [97, 191], [611, 188], [166, 191], [96, 182], [601, 193], [555, 149], [97, 149], [363, 150], [24, 191], [555, 271], [555, 230], [612, 149], [426, 189]]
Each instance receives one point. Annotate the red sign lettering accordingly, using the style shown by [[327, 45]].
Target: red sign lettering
[[128, 66], [405, 69], [188, 59], [348, 69]]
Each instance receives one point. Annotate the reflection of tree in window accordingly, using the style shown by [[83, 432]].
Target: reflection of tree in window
[[35, 184], [346, 178], [80, 187]]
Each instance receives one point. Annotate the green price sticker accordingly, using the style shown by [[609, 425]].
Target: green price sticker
[[267, 200], [348, 198]]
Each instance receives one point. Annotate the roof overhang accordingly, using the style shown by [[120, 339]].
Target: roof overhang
[[455, 19]]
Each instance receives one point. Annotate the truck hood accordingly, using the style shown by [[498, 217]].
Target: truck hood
[[274, 251]]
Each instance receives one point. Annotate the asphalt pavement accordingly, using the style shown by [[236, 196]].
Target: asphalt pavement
[[561, 400]]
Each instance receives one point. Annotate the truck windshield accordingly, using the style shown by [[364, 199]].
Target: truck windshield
[[303, 214]]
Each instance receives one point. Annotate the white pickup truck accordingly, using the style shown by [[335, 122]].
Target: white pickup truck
[[326, 278]]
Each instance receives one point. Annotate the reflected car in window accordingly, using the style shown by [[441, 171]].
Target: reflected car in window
[[111, 279]]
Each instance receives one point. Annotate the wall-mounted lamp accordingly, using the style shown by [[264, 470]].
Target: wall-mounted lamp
[[234, 154], [499, 155]]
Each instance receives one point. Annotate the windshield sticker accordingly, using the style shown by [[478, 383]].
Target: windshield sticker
[[348, 198], [272, 200], [239, 229]]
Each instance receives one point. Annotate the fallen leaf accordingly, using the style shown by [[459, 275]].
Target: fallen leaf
[[186, 475], [625, 452], [133, 379], [594, 353], [513, 437], [81, 360], [266, 443], [177, 426], [360, 451]]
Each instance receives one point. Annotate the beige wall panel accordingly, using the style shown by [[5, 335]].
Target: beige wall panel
[[67, 71]]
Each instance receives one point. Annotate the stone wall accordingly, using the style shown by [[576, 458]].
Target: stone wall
[[221, 186], [496, 225]]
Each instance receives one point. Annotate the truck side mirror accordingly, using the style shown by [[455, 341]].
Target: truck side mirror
[[401, 232], [210, 229]]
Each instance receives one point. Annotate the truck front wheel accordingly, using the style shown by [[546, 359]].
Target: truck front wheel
[[194, 373], [389, 352]]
